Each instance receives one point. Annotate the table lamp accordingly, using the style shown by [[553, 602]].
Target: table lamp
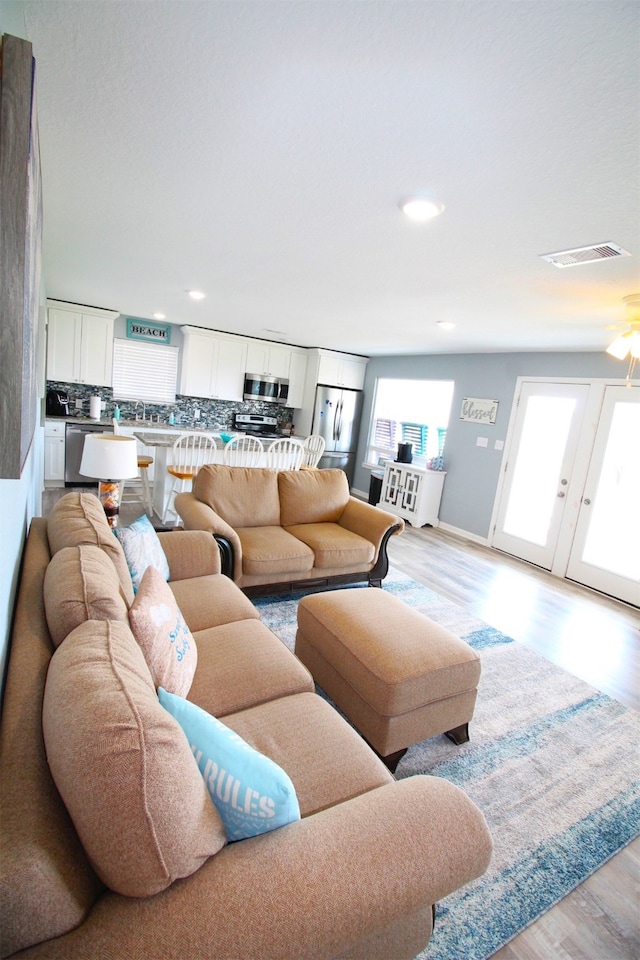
[[109, 459]]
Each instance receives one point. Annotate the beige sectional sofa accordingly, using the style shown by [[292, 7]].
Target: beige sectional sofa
[[110, 845], [289, 529]]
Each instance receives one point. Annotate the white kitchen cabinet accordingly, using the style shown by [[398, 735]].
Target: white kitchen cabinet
[[267, 358], [412, 493], [79, 344], [297, 375], [213, 365], [341, 370], [54, 439]]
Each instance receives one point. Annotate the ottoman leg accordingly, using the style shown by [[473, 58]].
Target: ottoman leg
[[459, 735], [392, 760]]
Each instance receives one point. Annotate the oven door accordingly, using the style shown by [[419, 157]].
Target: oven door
[[259, 387]]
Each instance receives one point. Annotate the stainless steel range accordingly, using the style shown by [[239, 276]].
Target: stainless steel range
[[266, 428]]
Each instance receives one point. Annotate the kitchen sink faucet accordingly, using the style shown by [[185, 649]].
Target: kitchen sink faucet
[[143, 409]]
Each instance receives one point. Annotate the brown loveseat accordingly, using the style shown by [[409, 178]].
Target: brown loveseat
[[289, 530], [354, 878]]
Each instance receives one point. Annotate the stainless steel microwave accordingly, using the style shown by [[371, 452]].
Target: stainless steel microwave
[[259, 386]]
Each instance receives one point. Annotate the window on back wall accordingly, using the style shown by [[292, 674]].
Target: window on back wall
[[144, 371], [409, 411]]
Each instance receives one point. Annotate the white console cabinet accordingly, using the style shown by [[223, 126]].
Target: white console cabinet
[[412, 493], [54, 440]]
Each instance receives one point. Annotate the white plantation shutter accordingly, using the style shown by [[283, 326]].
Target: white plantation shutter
[[144, 371]]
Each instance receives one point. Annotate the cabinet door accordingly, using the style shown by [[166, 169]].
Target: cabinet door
[[64, 335], [257, 357], [352, 373], [329, 370], [230, 366], [297, 377], [54, 458], [199, 364], [96, 351]]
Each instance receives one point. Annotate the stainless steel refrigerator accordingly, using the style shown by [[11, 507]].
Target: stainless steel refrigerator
[[336, 417]]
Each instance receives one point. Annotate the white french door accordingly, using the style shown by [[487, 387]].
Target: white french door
[[568, 500], [539, 466], [605, 552]]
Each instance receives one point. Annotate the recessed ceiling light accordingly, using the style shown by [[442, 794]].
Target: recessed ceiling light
[[421, 209], [445, 324], [159, 316], [197, 294]]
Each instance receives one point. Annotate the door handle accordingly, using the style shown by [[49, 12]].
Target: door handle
[[586, 501], [562, 494]]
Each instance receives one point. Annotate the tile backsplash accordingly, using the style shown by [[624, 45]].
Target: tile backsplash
[[214, 414]]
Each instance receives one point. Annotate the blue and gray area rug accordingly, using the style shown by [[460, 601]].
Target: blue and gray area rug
[[552, 763]]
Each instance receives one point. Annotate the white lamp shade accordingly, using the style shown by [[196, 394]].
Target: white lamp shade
[[109, 457]]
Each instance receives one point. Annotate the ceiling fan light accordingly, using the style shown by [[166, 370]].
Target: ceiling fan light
[[619, 348], [635, 345]]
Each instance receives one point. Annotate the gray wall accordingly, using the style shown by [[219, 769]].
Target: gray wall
[[472, 471]]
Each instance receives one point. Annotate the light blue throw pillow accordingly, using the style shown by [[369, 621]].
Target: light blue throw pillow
[[142, 549], [252, 794]]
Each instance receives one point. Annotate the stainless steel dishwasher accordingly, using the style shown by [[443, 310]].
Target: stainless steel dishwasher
[[74, 443]]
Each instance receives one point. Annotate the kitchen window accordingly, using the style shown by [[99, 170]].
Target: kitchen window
[[409, 411], [144, 371]]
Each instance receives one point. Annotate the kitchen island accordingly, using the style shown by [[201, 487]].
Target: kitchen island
[[158, 444]]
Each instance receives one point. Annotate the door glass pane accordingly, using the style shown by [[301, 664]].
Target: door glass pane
[[534, 489], [613, 539]]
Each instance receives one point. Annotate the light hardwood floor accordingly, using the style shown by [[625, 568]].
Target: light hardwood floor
[[591, 636]]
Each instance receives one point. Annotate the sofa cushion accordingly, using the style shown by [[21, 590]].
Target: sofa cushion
[[312, 496], [243, 496], [252, 794], [328, 762], [142, 549], [122, 764], [244, 663], [79, 518], [332, 545], [270, 550], [166, 641], [81, 583], [211, 601]]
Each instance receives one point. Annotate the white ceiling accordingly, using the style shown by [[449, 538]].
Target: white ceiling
[[258, 150]]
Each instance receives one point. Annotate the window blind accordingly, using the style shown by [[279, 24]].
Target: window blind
[[144, 371]]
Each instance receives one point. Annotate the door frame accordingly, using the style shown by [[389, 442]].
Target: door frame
[[584, 451]]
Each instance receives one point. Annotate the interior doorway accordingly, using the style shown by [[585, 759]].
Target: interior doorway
[[568, 497]]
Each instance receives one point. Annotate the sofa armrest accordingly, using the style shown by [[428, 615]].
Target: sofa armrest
[[312, 889], [190, 553], [369, 522], [197, 515]]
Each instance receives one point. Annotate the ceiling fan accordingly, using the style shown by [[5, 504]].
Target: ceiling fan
[[627, 343]]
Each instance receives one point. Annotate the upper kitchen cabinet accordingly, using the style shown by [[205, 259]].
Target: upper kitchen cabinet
[[267, 358], [213, 365], [79, 343], [340, 369]]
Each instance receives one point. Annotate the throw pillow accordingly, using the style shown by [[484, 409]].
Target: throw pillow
[[122, 766], [252, 794], [167, 643], [142, 549]]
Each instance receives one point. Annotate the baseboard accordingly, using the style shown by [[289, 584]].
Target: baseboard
[[464, 534]]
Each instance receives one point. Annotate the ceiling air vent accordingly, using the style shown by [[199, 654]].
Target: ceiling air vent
[[571, 258]]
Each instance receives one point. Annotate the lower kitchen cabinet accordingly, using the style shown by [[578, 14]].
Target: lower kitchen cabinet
[[54, 440], [412, 493]]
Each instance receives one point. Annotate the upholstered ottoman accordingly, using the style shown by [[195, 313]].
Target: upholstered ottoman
[[398, 676]]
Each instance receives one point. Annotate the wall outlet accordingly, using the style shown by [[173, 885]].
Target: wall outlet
[[79, 404], [482, 441], [196, 414]]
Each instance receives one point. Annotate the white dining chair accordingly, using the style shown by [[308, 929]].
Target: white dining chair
[[313, 449], [285, 454], [141, 481], [243, 451], [190, 452]]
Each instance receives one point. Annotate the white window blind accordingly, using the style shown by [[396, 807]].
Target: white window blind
[[144, 371]]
